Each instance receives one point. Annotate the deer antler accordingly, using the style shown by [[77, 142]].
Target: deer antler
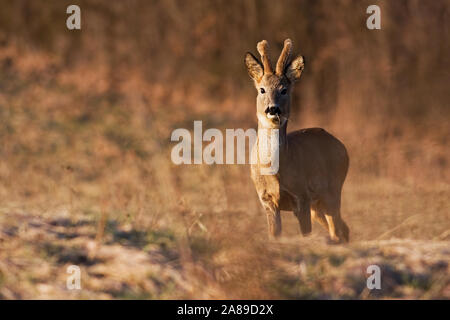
[[284, 57], [263, 47]]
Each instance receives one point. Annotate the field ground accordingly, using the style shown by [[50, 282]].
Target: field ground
[[209, 246]]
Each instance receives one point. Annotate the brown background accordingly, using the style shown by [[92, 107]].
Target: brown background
[[85, 124]]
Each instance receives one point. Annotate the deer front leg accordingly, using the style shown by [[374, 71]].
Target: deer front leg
[[273, 214], [274, 222], [302, 211]]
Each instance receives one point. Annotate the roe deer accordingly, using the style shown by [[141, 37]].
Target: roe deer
[[313, 164]]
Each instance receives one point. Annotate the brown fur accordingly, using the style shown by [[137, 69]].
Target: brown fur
[[313, 163]]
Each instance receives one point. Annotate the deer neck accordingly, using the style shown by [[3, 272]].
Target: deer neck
[[271, 148], [282, 134]]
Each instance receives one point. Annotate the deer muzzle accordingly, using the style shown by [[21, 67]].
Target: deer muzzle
[[273, 112]]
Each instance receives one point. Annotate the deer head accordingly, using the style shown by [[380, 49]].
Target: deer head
[[274, 89]]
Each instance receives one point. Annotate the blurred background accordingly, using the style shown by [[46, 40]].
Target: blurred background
[[85, 124]]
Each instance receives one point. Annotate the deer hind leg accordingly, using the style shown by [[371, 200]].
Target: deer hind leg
[[318, 215], [332, 222], [302, 211], [337, 228]]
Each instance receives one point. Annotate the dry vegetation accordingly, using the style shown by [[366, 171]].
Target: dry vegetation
[[85, 170]]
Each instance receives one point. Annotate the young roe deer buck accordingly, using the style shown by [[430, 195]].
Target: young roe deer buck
[[312, 163]]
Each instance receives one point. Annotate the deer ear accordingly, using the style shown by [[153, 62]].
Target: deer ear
[[295, 68], [254, 67]]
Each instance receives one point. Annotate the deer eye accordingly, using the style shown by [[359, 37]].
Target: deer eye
[[262, 90], [284, 91]]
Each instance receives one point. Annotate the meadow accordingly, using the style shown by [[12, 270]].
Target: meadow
[[86, 176]]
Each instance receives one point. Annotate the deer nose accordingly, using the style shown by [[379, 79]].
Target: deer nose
[[275, 110]]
